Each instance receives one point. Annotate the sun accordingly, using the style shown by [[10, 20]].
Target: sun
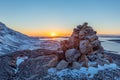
[[53, 34]]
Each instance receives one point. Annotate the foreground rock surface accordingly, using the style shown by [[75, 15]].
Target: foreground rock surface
[[35, 67]]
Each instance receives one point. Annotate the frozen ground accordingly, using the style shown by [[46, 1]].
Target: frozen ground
[[89, 72]]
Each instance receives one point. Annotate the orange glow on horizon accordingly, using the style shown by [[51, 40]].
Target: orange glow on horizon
[[56, 34], [60, 33], [48, 34]]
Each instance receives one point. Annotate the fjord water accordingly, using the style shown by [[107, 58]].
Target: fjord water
[[108, 45]]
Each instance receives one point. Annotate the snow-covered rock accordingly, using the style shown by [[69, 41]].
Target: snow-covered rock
[[19, 61]]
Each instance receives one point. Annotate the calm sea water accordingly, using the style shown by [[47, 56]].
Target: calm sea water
[[108, 45]]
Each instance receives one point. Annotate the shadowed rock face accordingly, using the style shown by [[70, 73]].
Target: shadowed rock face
[[83, 47]]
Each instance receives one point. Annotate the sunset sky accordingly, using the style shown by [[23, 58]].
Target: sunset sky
[[59, 17]]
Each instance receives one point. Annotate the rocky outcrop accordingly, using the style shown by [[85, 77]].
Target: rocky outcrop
[[82, 48]]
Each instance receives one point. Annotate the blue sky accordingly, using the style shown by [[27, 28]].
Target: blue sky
[[42, 17]]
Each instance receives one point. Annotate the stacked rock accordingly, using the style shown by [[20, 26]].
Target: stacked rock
[[83, 49]]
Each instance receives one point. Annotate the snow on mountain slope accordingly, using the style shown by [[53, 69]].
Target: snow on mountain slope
[[11, 41]]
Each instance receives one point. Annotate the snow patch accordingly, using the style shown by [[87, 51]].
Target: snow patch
[[91, 63], [89, 72], [19, 61]]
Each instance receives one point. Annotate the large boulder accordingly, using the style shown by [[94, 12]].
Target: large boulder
[[83, 58], [62, 64], [92, 37], [82, 34], [96, 45], [72, 55], [83, 46], [90, 31]]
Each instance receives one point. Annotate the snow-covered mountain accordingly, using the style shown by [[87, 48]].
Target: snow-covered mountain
[[11, 40]]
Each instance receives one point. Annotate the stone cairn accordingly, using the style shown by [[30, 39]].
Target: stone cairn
[[83, 49]]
